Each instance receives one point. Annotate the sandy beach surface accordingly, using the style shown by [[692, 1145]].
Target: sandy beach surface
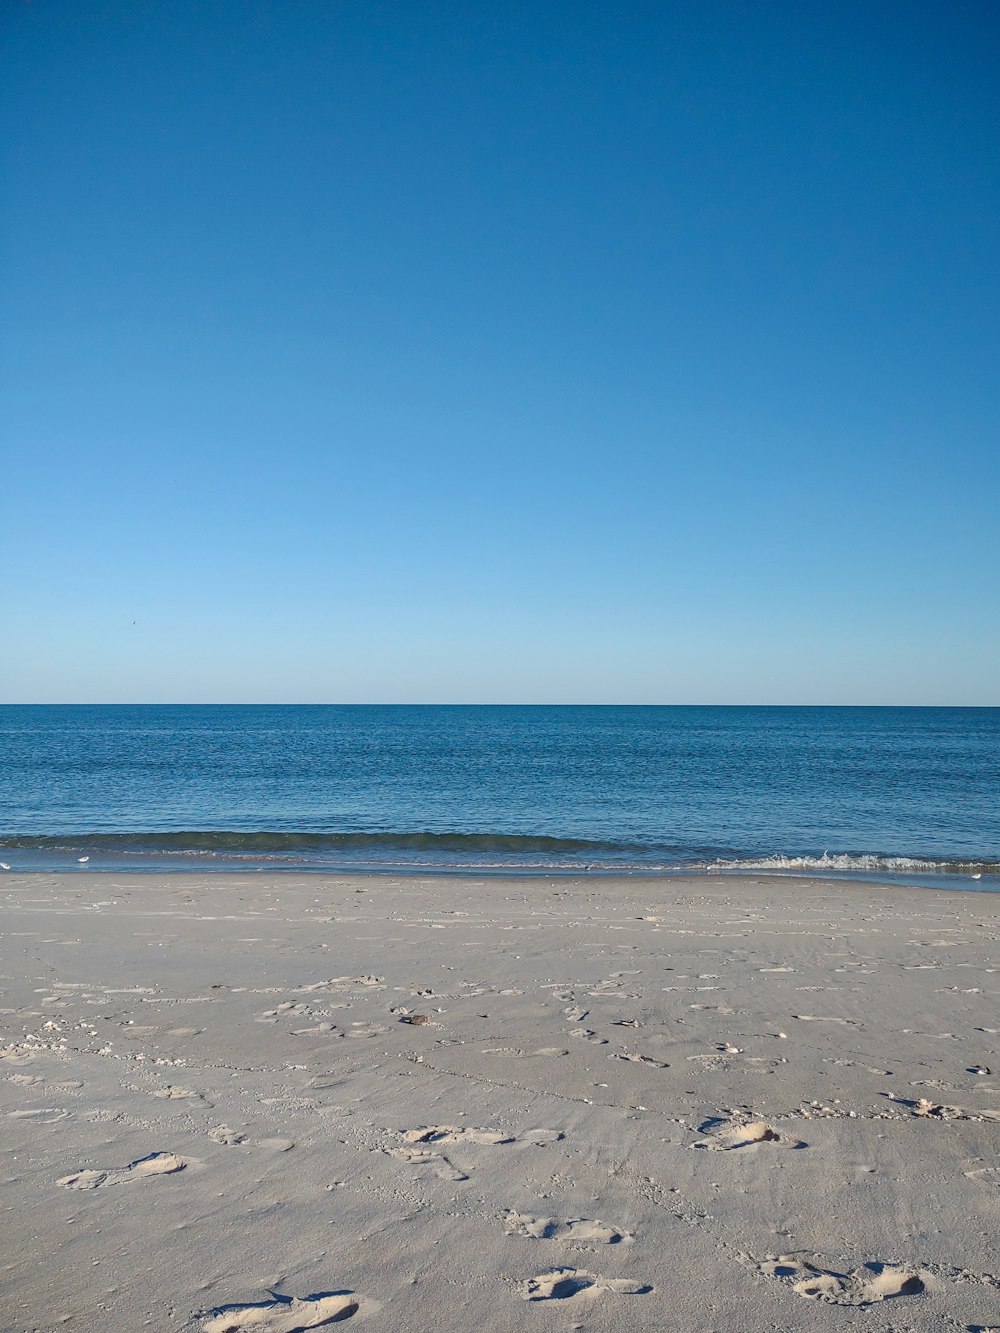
[[273, 1102]]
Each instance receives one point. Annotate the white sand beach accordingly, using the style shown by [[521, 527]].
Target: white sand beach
[[276, 1102]]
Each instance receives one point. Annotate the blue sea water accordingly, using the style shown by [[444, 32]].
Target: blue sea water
[[879, 792]]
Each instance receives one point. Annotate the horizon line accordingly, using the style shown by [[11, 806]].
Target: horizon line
[[389, 703]]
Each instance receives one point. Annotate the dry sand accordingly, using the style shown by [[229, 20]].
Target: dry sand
[[676, 1105]]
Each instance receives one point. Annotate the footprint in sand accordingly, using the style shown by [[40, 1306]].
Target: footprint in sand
[[824, 1018], [62, 1085], [985, 1175], [340, 984], [939, 1112], [456, 1134], [544, 1053], [17, 1054], [284, 1315], [434, 1161], [872, 1282], [583, 1230], [637, 1059], [224, 1135], [588, 1034], [156, 1164], [435, 1134], [541, 1138], [563, 1284], [726, 1136], [289, 1009], [45, 1115], [172, 1094]]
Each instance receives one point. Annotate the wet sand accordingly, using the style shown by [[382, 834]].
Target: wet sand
[[706, 1104]]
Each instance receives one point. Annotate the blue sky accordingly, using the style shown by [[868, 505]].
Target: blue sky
[[567, 353]]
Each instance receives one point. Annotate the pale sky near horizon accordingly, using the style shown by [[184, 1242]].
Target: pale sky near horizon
[[448, 352]]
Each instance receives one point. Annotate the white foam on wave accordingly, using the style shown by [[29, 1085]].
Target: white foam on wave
[[857, 862]]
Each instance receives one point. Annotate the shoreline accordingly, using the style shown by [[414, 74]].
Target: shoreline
[[982, 883], [723, 1102]]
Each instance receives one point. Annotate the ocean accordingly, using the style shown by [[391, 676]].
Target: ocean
[[881, 793]]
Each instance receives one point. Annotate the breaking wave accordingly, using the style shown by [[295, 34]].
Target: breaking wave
[[452, 851], [857, 863]]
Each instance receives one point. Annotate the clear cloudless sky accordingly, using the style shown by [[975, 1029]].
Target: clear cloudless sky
[[436, 351]]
